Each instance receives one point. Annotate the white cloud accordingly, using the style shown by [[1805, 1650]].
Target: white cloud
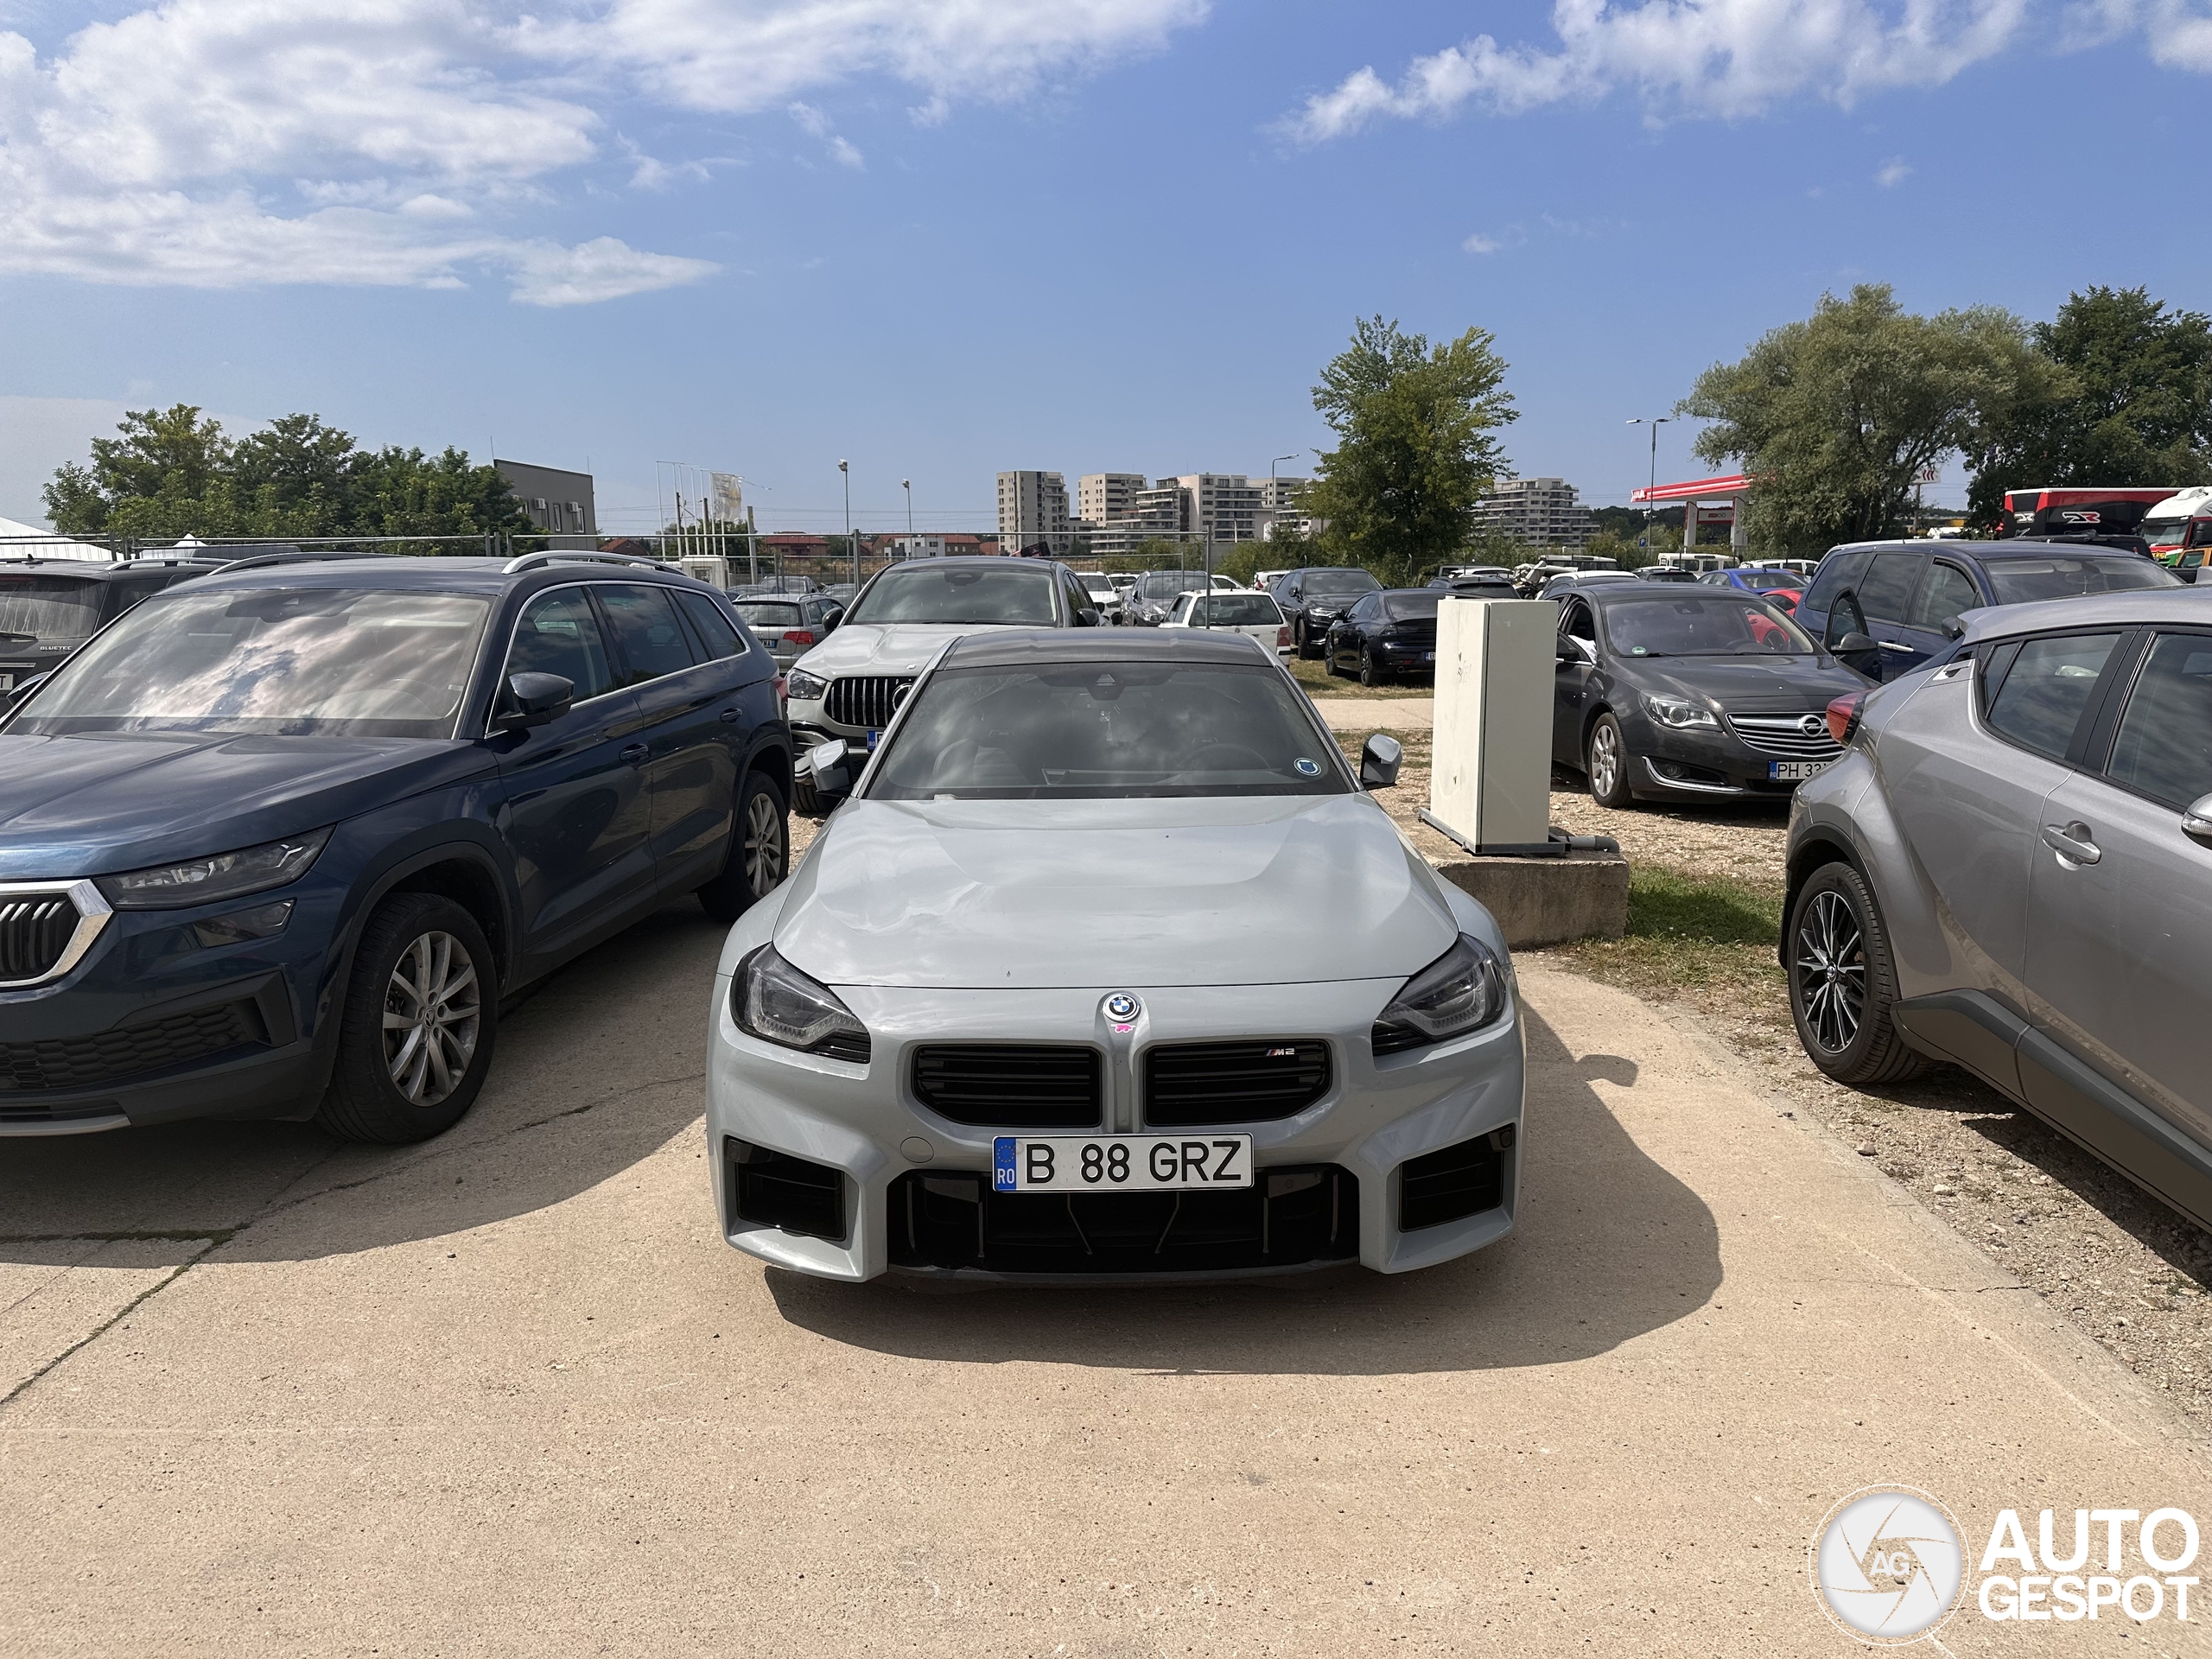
[[237, 142], [1893, 173], [1480, 243], [1726, 58]]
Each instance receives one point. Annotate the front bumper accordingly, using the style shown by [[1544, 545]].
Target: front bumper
[[865, 1122], [1687, 765]]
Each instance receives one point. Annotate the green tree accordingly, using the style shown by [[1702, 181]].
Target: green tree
[[1836, 415], [1416, 447], [2131, 404], [172, 453]]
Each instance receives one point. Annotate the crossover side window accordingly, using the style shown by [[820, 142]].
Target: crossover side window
[[2047, 689], [714, 629], [558, 634], [649, 639], [1945, 591], [2164, 748], [1883, 595]]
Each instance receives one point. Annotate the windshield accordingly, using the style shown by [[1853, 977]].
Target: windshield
[[48, 608], [1019, 595], [1349, 581], [293, 662], [1769, 578], [2018, 581], [1165, 584], [1103, 731], [1235, 610], [1411, 607], [1695, 625], [758, 615], [2162, 532]]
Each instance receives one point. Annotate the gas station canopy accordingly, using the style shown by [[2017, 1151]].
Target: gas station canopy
[[1730, 486]]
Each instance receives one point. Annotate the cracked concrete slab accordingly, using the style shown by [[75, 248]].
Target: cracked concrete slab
[[58, 1293]]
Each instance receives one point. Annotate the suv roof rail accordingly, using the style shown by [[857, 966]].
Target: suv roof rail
[[562, 555], [294, 556]]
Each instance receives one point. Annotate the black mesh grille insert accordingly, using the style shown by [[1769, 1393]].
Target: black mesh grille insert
[[1008, 1085], [1289, 1217], [1252, 1081], [131, 1051], [864, 700], [34, 930], [774, 1189], [1459, 1181]]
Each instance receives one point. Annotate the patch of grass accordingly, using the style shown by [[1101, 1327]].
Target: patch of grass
[[1685, 931], [1315, 678], [1664, 906]]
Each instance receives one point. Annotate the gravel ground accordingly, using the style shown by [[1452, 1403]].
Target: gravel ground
[[2129, 1271]]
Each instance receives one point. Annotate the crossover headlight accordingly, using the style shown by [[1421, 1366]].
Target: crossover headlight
[[772, 1001], [1462, 990], [801, 686], [1678, 713], [224, 875]]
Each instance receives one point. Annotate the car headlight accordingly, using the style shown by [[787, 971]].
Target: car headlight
[[1462, 990], [772, 1001], [1678, 713], [802, 687], [224, 875]]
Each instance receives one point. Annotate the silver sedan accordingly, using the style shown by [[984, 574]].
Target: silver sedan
[[932, 1052]]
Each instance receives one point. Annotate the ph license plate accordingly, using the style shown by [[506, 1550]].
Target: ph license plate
[[1795, 772], [1120, 1163]]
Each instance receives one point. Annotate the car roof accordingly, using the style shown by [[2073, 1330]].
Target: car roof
[[1036, 647], [2012, 547], [2145, 605], [441, 573], [1609, 591], [101, 570]]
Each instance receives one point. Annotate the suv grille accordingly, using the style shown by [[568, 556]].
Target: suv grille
[[1783, 735], [1007, 1085], [868, 700], [131, 1051], [1233, 1083], [34, 930]]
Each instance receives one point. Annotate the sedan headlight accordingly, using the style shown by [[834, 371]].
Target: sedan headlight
[[802, 687], [225, 875], [1680, 714], [772, 1001], [1462, 990]]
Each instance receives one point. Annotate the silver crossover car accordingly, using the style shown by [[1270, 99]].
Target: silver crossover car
[[930, 1052], [2011, 869]]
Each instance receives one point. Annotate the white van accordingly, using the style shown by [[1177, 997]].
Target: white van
[[2182, 520]]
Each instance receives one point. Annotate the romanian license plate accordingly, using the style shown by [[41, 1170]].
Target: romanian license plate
[[1428, 656], [873, 739], [1795, 772], [1120, 1163]]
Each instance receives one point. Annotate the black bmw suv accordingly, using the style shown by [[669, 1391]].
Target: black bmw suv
[[278, 842]]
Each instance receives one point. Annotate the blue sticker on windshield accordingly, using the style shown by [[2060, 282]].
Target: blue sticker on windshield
[[1307, 768]]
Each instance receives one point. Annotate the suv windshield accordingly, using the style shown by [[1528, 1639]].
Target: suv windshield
[[293, 662], [1101, 731], [1692, 625], [1019, 595], [1350, 580], [48, 608], [2018, 581]]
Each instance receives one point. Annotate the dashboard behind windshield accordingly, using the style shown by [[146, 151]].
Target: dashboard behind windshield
[[1018, 596]]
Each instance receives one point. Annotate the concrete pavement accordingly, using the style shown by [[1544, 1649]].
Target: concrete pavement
[[1378, 713], [509, 1393]]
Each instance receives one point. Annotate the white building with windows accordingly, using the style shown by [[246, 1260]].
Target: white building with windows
[[1102, 498], [1034, 509], [1535, 512]]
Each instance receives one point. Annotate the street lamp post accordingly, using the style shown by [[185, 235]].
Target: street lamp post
[[908, 485], [1654, 423], [846, 474]]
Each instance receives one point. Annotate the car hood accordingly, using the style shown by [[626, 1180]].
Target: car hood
[[1050, 894], [1746, 686], [900, 648], [92, 803]]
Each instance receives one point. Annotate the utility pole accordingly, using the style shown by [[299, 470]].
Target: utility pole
[[846, 473], [908, 485], [1654, 423]]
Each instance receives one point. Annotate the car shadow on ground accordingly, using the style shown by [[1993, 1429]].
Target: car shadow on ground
[[1610, 1246], [599, 1067]]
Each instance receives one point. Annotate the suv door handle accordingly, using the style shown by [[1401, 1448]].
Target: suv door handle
[[633, 754], [2071, 842], [1892, 645], [730, 716]]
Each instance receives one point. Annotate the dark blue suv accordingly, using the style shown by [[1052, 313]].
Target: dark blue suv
[[279, 842], [1904, 597]]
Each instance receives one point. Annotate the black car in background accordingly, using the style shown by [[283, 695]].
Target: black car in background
[[49, 607], [1315, 597], [1386, 635], [1690, 694]]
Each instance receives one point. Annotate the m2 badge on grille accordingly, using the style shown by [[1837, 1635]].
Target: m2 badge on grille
[[1120, 1163]]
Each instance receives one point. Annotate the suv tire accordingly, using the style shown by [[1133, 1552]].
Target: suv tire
[[423, 962], [1843, 982], [1606, 761], [760, 851]]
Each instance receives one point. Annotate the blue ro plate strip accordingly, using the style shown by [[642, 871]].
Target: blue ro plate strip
[[1002, 1164]]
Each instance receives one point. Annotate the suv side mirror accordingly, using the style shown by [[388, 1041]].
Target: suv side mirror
[[831, 767], [1379, 761], [830, 619], [2196, 820], [532, 700], [1953, 628], [1086, 619]]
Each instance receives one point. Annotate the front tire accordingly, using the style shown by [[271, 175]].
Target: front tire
[[760, 851], [1306, 649], [1843, 983], [417, 1026], [1605, 762]]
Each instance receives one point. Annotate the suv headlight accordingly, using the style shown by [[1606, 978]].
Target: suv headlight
[[802, 687], [1462, 990], [224, 875], [1678, 713], [772, 1001]]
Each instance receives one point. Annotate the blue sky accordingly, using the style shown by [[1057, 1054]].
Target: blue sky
[[945, 237]]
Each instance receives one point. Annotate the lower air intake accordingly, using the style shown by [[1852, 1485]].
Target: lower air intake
[[1450, 1184], [774, 1189]]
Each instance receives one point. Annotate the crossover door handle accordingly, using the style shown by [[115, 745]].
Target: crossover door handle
[[2071, 842], [633, 754], [730, 716]]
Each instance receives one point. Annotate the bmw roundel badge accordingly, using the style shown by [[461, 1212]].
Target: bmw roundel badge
[[1122, 1006]]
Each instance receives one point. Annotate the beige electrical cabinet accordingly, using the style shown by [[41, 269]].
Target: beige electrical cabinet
[[1490, 780]]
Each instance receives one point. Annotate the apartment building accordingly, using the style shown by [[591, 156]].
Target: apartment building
[[1034, 509], [1102, 498], [1537, 511], [1278, 505]]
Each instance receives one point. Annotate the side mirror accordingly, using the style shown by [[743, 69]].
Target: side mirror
[[1086, 619], [1379, 761], [1853, 644], [830, 766], [1953, 628], [830, 619], [1571, 650], [532, 700], [24, 689], [2196, 820]]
